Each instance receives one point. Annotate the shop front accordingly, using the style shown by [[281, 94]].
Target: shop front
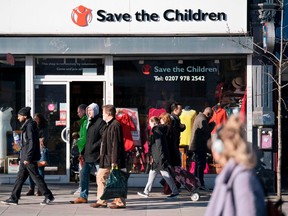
[[125, 64]]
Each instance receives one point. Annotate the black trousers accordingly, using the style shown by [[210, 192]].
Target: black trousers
[[32, 170], [200, 164]]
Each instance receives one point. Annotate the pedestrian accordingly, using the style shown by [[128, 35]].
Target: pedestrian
[[95, 127], [237, 190], [112, 155], [201, 133], [159, 154], [81, 141], [29, 155], [42, 125], [177, 128]]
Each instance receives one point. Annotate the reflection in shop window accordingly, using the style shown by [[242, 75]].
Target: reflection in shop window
[[155, 84]]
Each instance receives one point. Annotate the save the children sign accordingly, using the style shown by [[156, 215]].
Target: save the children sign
[[123, 17]]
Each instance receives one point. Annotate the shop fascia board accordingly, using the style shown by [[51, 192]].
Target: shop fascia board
[[126, 45]]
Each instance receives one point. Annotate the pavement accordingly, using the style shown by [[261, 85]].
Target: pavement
[[156, 205]]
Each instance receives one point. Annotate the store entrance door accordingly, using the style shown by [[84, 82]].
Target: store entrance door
[[52, 100], [58, 102]]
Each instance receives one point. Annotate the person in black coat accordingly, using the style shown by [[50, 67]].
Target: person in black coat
[[159, 155], [91, 151], [176, 128], [29, 155]]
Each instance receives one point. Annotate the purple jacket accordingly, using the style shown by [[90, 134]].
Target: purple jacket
[[237, 192]]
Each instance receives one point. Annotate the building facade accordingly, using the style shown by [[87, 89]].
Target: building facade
[[138, 56]]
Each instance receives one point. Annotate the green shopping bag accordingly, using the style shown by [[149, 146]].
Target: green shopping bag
[[116, 185]]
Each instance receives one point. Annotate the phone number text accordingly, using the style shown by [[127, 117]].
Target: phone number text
[[180, 78]]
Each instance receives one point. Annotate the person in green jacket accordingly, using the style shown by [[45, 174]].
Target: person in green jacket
[[81, 142]]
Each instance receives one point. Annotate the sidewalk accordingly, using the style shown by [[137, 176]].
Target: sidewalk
[[156, 205]]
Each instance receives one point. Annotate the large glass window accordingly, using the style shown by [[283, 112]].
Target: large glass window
[[12, 98], [146, 84]]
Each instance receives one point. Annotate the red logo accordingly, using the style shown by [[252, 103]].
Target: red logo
[[146, 69], [81, 16]]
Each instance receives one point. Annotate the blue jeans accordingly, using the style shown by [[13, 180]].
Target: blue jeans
[[85, 178], [41, 173]]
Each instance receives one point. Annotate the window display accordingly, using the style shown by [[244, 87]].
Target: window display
[[155, 84]]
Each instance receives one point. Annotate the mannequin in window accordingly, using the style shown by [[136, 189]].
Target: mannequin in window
[[5, 118], [187, 117]]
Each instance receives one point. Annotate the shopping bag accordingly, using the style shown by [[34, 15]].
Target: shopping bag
[[116, 185]]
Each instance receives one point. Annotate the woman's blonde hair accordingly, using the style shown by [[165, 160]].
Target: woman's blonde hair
[[233, 137], [166, 118]]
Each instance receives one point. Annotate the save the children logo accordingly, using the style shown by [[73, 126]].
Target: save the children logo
[[81, 16], [146, 69]]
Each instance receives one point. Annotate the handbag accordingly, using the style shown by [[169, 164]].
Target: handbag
[[116, 185]]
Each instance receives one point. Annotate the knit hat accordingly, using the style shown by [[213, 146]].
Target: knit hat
[[25, 111]]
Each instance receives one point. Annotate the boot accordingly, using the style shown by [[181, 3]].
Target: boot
[[38, 193], [30, 192]]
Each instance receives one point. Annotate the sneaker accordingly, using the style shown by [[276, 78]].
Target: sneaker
[[77, 192], [172, 196], [143, 194], [47, 201], [10, 201]]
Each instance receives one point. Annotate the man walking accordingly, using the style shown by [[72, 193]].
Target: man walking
[[29, 155], [201, 133], [112, 155], [95, 127], [81, 112]]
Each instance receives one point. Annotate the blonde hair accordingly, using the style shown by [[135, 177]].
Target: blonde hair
[[233, 137], [166, 118]]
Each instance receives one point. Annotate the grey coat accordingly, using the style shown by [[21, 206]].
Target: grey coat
[[237, 192]]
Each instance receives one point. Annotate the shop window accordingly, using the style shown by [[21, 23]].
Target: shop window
[[69, 66], [12, 98], [146, 84]]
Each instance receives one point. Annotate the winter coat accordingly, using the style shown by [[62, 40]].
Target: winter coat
[[93, 139], [158, 148], [174, 141], [30, 150], [237, 192], [201, 133], [112, 146]]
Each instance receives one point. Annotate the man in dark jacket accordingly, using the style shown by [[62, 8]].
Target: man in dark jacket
[[112, 155], [201, 133], [95, 127], [29, 155], [176, 129]]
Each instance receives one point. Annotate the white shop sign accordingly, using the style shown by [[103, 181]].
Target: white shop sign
[[94, 17]]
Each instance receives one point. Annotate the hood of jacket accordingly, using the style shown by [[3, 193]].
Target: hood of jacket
[[95, 109]]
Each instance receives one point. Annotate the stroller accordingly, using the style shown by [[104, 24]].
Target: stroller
[[74, 162], [187, 180]]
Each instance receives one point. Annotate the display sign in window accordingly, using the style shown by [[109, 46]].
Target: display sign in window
[[69, 66]]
